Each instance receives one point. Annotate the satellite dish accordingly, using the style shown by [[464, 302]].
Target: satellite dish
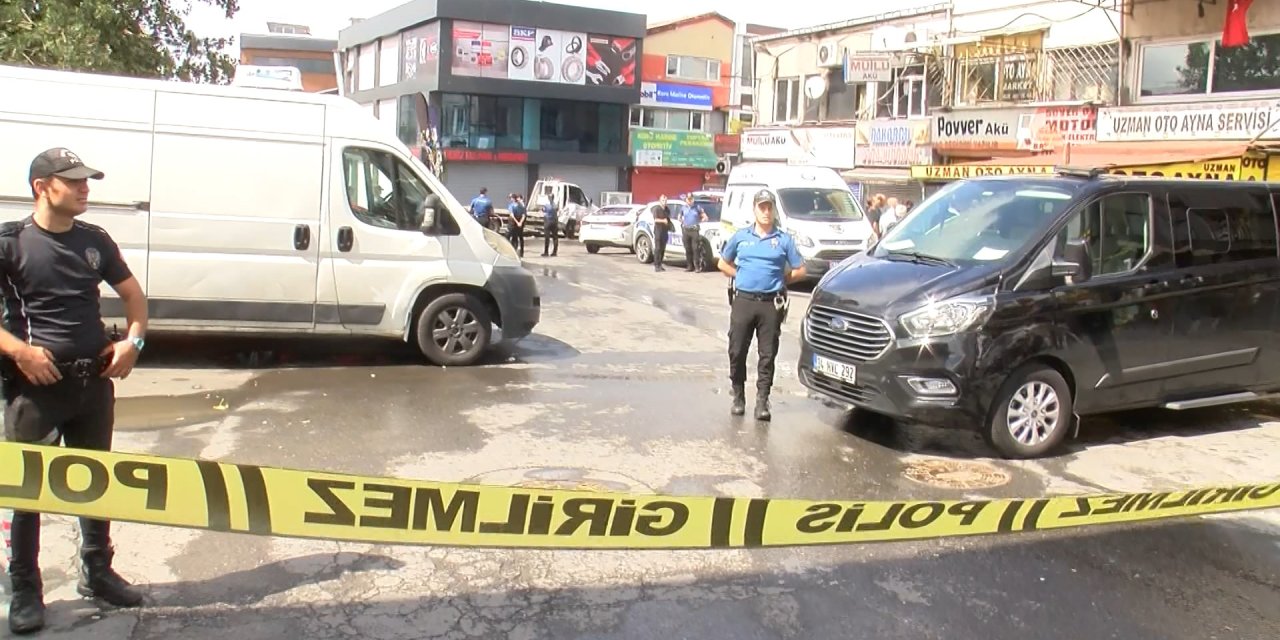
[[815, 87]]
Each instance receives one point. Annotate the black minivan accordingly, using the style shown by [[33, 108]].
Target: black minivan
[[1014, 305]]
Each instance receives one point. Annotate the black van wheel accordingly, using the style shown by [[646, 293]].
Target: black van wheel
[[644, 249], [454, 330], [1031, 414]]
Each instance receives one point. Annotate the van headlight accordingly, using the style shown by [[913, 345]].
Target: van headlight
[[946, 317], [500, 244]]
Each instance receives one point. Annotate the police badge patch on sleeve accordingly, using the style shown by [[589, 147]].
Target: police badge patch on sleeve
[[94, 258]]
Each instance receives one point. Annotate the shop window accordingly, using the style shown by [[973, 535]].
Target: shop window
[[746, 65], [1204, 66], [693, 68], [455, 120], [305, 65], [812, 108], [674, 119], [613, 129], [841, 100], [697, 121], [908, 95], [496, 122], [407, 119], [786, 100]]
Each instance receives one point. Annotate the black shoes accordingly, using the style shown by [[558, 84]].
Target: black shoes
[[762, 407], [26, 607], [98, 580], [739, 401]]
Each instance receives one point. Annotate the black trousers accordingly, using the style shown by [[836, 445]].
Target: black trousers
[[692, 247], [660, 232], [550, 237], [78, 412], [762, 319], [516, 236]]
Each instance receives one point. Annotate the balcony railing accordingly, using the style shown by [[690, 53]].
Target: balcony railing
[[1049, 75]]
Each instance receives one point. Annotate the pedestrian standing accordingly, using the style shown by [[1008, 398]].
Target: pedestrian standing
[[515, 231], [690, 218], [761, 261], [550, 226], [482, 207], [59, 361], [661, 227]]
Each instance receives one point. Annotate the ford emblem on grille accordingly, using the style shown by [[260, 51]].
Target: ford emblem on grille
[[838, 324], [837, 228]]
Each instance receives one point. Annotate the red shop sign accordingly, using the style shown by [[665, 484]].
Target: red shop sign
[[475, 155]]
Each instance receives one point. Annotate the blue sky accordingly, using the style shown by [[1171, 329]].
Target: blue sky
[[327, 17]]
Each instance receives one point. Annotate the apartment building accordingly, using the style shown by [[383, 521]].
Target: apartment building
[[684, 103], [289, 45]]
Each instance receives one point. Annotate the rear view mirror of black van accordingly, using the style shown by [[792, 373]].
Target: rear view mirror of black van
[[1075, 262]]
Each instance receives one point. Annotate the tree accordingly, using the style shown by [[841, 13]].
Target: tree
[[143, 38], [1251, 67]]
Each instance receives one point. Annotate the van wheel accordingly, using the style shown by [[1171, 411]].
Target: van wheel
[[1032, 413], [454, 330], [644, 250], [593, 248]]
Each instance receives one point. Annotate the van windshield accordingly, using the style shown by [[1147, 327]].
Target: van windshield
[[975, 222], [819, 204]]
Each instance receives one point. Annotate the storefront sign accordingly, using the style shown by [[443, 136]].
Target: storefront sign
[[513, 52], [832, 147], [936, 172], [658, 148], [420, 52], [1240, 120], [864, 67], [1250, 168], [681, 96], [728, 143], [479, 155], [893, 143], [1031, 129]]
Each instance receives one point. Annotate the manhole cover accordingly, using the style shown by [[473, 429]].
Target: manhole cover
[[956, 474], [562, 478]]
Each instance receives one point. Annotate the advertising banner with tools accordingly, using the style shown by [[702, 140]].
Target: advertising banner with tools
[[269, 501]]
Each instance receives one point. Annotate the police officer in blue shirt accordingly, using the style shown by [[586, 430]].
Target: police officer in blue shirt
[[690, 217], [550, 227], [482, 207], [761, 260]]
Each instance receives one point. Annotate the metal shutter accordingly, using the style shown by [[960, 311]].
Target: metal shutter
[[465, 179], [592, 179]]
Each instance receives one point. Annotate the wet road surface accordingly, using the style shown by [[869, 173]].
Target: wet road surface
[[623, 387]]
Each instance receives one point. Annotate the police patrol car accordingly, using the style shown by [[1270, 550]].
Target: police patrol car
[[714, 232]]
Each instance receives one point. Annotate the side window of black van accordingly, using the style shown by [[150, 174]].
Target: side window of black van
[[1217, 226], [1116, 229]]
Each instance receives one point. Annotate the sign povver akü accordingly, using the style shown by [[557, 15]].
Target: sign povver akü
[[271, 501]]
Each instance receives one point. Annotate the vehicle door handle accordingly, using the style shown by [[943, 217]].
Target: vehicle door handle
[[302, 237], [1154, 286], [1190, 279], [346, 238]]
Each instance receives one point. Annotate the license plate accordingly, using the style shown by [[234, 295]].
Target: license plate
[[832, 369]]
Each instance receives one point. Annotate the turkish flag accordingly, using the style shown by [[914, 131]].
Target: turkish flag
[[1235, 31]]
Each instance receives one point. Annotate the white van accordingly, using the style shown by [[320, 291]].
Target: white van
[[256, 211], [814, 205]]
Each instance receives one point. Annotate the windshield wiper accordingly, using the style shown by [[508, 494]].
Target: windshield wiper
[[921, 258]]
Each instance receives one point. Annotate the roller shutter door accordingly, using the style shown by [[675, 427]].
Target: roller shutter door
[[465, 179], [647, 184], [592, 180]]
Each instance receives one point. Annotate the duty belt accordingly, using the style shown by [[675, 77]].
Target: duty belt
[[764, 297], [82, 367]]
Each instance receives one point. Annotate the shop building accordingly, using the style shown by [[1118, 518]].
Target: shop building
[[684, 103], [509, 92], [293, 46]]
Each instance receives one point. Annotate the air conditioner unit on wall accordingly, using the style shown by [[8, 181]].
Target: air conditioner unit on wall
[[829, 55]]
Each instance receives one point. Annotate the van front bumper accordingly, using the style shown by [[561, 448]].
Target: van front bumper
[[885, 384], [519, 304]]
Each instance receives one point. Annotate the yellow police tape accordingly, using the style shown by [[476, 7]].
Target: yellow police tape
[[271, 501]]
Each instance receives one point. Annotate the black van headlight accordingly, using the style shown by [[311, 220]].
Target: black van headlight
[[947, 317]]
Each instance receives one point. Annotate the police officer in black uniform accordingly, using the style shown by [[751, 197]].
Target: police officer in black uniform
[[59, 360], [761, 261]]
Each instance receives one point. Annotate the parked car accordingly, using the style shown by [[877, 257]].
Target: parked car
[[714, 232], [1014, 305], [611, 226]]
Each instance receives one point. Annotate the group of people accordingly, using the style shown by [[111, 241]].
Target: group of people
[[691, 218], [482, 211], [884, 212]]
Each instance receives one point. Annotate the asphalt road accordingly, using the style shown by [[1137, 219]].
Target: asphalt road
[[624, 387]]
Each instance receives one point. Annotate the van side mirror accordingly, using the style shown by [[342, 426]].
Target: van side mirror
[[430, 209], [1075, 262]]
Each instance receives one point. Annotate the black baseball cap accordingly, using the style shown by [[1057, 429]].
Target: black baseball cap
[[62, 163], [764, 195]]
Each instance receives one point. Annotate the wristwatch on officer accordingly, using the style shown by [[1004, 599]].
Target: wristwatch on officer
[[138, 342]]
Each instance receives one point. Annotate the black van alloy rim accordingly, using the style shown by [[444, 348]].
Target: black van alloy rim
[[1033, 413]]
